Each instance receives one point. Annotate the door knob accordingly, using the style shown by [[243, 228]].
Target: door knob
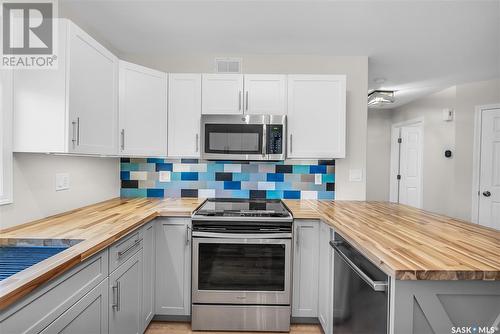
[[486, 193]]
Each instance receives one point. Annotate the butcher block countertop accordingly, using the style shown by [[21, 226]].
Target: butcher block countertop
[[99, 226], [408, 243]]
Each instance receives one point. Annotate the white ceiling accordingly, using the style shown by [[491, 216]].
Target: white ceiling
[[419, 47]]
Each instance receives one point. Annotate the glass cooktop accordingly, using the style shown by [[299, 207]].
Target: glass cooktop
[[242, 208]]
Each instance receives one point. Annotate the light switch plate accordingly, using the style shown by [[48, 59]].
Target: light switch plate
[[355, 175], [62, 181]]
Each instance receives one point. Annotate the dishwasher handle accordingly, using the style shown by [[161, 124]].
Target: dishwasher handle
[[375, 285]]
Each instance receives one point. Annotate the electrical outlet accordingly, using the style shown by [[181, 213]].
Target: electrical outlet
[[355, 175], [62, 181]]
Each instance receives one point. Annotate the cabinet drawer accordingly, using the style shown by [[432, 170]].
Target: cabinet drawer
[[40, 308], [123, 249]]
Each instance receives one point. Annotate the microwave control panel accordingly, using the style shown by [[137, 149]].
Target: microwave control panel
[[274, 139]]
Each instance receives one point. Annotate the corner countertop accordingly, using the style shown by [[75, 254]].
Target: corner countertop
[[409, 243]]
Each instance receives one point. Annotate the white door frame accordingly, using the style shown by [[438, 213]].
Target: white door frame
[[393, 189], [476, 158]]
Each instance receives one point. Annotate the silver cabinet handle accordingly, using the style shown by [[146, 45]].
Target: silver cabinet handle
[[118, 293], [197, 144], [246, 101], [121, 253], [291, 143], [73, 138], [114, 303], [188, 234], [123, 139], [78, 131], [239, 101], [375, 285]]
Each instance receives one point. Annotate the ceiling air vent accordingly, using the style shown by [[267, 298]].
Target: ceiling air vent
[[228, 65]]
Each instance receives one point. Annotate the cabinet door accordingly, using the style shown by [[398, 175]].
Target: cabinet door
[[142, 111], [148, 277], [222, 94], [88, 315], [93, 95], [184, 111], [305, 268], [173, 266], [125, 290], [265, 94], [325, 285], [316, 116]]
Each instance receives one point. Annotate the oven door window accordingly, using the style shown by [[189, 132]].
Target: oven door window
[[233, 138], [241, 267]]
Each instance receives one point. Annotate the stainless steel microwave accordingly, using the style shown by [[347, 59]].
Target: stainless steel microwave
[[243, 137]]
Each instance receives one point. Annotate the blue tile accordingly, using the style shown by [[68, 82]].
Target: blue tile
[[275, 177], [155, 192], [291, 194], [232, 185], [241, 177], [215, 185], [206, 176], [129, 192], [300, 169], [164, 167], [317, 169], [274, 194], [189, 176], [124, 175], [258, 177], [328, 178], [212, 168], [283, 186], [175, 176], [129, 167], [326, 195], [155, 161], [241, 194]]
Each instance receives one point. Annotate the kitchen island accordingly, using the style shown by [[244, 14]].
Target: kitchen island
[[444, 272]]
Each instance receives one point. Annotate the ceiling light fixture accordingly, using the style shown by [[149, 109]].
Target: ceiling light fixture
[[379, 98]]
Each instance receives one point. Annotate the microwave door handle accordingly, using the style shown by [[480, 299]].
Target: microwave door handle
[[264, 142], [375, 285]]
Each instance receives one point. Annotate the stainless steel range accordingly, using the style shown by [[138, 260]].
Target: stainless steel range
[[241, 267]]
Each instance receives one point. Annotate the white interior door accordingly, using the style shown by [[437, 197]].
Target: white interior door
[[489, 179], [410, 185]]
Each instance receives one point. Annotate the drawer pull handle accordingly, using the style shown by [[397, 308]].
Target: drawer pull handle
[[123, 252], [116, 296]]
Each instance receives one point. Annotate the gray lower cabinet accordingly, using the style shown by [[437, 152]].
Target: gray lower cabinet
[[173, 266], [88, 315], [59, 302], [325, 279], [305, 269], [148, 278], [125, 290]]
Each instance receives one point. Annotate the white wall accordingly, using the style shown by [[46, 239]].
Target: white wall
[[91, 180], [378, 154], [447, 182], [356, 69], [438, 171]]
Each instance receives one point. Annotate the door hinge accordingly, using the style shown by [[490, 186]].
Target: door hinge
[[400, 140], [398, 177]]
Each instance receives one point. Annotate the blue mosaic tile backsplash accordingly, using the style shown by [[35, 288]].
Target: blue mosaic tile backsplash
[[153, 177]]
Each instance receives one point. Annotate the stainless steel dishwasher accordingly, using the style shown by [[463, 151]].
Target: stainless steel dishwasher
[[361, 292]]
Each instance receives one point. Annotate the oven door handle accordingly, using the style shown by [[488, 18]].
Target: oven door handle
[[375, 285], [242, 235]]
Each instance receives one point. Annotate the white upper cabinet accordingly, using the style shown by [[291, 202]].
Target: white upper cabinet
[[265, 94], [184, 112], [222, 94], [143, 111], [316, 116], [71, 109]]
